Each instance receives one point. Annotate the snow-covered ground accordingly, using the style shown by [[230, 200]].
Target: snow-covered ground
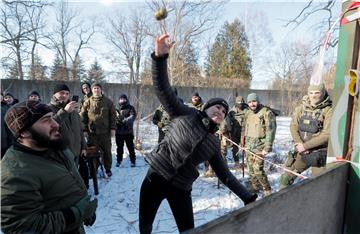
[[119, 196]]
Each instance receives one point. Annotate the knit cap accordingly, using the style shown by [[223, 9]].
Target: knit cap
[[23, 115]]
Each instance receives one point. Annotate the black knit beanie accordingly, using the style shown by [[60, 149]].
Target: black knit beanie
[[61, 87], [215, 101]]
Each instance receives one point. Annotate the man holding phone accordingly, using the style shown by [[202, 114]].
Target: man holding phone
[[69, 119]]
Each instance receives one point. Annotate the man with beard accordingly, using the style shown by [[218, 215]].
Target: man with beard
[[41, 190], [34, 96], [98, 116], [310, 130], [70, 126], [125, 117], [260, 129], [196, 102]]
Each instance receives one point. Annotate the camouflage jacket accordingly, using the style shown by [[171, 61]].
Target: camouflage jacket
[[234, 122], [260, 129], [305, 114], [161, 118], [98, 115], [197, 107]]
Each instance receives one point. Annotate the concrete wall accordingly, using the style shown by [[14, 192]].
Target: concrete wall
[[21, 88], [315, 205]]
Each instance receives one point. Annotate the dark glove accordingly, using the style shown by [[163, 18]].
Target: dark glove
[[85, 209], [90, 221]]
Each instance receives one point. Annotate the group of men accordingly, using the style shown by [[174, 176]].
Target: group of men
[[49, 143], [252, 126]]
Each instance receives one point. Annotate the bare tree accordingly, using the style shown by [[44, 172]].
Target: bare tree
[[291, 69], [67, 27], [186, 23], [18, 24], [36, 36], [128, 36], [330, 9]]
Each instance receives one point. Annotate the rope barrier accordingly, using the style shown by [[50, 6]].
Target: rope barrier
[[276, 165]]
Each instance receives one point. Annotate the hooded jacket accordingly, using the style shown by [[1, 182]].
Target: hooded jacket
[[70, 126], [190, 140], [321, 112]]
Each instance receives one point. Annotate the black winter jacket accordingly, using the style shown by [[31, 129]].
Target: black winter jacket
[[125, 117], [189, 141]]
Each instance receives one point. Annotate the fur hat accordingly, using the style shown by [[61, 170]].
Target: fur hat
[[215, 101], [61, 87], [23, 115]]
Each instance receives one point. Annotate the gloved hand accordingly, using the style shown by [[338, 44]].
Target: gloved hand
[[85, 209], [90, 221]]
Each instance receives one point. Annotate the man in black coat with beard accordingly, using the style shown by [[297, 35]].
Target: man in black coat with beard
[[125, 117], [189, 141]]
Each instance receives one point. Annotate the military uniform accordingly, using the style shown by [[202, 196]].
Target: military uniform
[[232, 127], [99, 118], [197, 107], [310, 125], [260, 128], [161, 119]]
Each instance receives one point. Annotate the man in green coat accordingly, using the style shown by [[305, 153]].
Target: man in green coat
[[260, 129], [41, 190], [99, 122], [310, 130]]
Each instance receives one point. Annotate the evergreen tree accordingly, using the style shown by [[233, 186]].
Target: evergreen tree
[[95, 73], [229, 55], [58, 71], [13, 72], [78, 69], [38, 71]]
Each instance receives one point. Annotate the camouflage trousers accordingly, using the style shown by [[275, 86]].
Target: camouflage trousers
[[234, 149], [295, 164], [256, 172]]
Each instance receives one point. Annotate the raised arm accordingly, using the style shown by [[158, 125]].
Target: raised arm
[[167, 97]]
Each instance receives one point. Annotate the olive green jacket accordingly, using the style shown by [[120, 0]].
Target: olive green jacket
[[98, 115], [70, 127], [260, 129], [317, 140], [36, 188]]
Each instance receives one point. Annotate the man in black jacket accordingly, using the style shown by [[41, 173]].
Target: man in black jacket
[[125, 117], [189, 141]]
